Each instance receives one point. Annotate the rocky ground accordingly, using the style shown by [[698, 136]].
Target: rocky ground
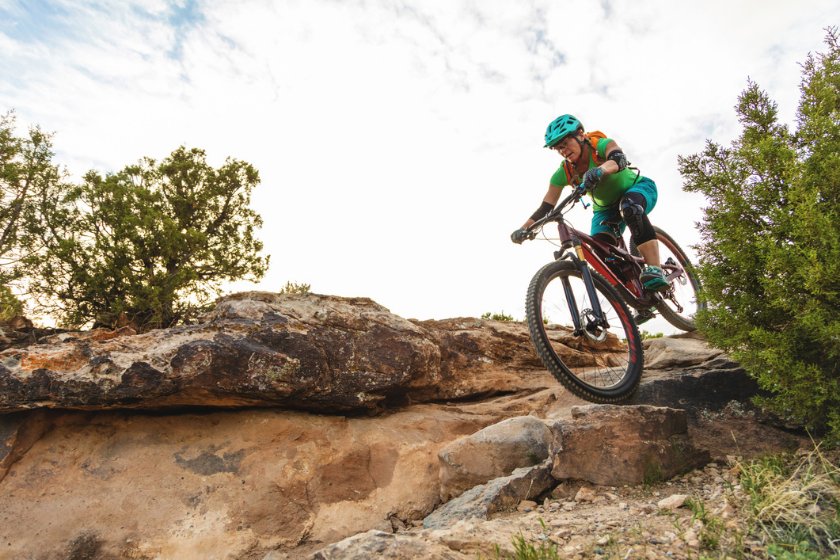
[[584, 521], [701, 514], [292, 426], [628, 522]]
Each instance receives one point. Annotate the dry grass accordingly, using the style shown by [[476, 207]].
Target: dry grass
[[794, 502]]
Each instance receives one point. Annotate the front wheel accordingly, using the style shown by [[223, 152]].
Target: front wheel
[[603, 362]]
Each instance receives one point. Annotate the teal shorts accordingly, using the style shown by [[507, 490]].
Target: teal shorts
[[644, 187]]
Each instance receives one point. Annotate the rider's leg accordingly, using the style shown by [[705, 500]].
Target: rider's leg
[[634, 212], [650, 252], [601, 231], [635, 205]]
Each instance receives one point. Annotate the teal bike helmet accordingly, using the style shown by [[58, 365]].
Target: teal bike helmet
[[560, 128]]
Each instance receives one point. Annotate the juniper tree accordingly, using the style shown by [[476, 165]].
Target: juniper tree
[[770, 250], [154, 241], [26, 169]]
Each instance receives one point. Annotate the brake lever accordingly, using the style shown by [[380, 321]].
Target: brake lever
[[582, 191]]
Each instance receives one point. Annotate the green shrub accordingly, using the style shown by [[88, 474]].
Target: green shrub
[[712, 526], [527, 550], [803, 553], [295, 288], [497, 316], [10, 305], [645, 335], [155, 242], [653, 472], [770, 251]]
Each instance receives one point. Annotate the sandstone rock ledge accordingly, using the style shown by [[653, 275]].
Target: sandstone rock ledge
[[309, 352]]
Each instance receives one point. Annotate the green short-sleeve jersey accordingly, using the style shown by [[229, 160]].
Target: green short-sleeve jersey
[[610, 189]]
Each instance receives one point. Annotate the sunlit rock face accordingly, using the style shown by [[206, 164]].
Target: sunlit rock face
[[215, 484], [262, 349]]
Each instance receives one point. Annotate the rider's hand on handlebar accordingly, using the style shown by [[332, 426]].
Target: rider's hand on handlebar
[[519, 236], [591, 178]]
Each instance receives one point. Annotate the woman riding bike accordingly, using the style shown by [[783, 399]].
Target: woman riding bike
[[599, 164]]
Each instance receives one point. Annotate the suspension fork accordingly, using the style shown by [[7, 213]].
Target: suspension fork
[[580, 261], [573, 308]]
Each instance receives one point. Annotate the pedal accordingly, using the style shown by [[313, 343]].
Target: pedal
[[643, 316]]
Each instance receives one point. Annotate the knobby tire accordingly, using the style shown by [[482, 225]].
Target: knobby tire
[[679, 321], [626, 364]]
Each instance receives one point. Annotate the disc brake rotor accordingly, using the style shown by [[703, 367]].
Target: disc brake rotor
[[592, 326]]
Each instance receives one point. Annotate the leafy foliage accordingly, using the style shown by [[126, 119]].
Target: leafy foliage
[[295, 288], [10, 305], [770, 252], [712, 526], [26, 170], [646, 335], [498, 316], [524, 549], [152, 243]]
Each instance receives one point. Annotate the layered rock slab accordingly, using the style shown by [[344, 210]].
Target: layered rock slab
[[490, 453], [255, 349], [262, 349], [673, 352], [499, 494]]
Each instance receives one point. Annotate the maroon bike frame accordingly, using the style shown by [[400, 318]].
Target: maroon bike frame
[[590, 250]]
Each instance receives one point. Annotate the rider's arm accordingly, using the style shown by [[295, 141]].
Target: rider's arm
[[609, 167], [551, 197]]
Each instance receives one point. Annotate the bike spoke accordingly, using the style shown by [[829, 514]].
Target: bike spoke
[[598, 357], [682, 298]]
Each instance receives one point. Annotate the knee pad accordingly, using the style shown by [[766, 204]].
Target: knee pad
[[634, 216]]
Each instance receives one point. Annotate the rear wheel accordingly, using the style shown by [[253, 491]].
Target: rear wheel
[[602, 363], [681, 302]]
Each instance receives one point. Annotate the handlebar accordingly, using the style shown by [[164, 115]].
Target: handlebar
[[552, 216]]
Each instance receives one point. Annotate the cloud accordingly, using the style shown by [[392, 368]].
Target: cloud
[[399, 143]]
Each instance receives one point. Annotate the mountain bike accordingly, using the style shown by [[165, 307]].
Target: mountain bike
[[577, 306]]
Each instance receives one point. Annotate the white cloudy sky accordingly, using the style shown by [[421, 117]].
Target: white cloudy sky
[[399, 143]]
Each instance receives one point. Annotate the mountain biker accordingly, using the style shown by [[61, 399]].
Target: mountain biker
[[615, 190]]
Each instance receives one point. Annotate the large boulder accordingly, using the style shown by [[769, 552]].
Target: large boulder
[[670, 353], [490, 453], [616, 445]]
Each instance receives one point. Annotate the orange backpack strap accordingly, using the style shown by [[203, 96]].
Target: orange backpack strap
[[570, 173], [593, 138]]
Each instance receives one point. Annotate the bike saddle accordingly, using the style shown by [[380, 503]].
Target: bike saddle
[[614, 221]]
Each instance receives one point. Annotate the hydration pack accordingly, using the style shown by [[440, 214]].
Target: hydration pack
[[592, 138]]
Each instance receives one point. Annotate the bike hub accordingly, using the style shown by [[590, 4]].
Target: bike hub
[[593, 327]]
